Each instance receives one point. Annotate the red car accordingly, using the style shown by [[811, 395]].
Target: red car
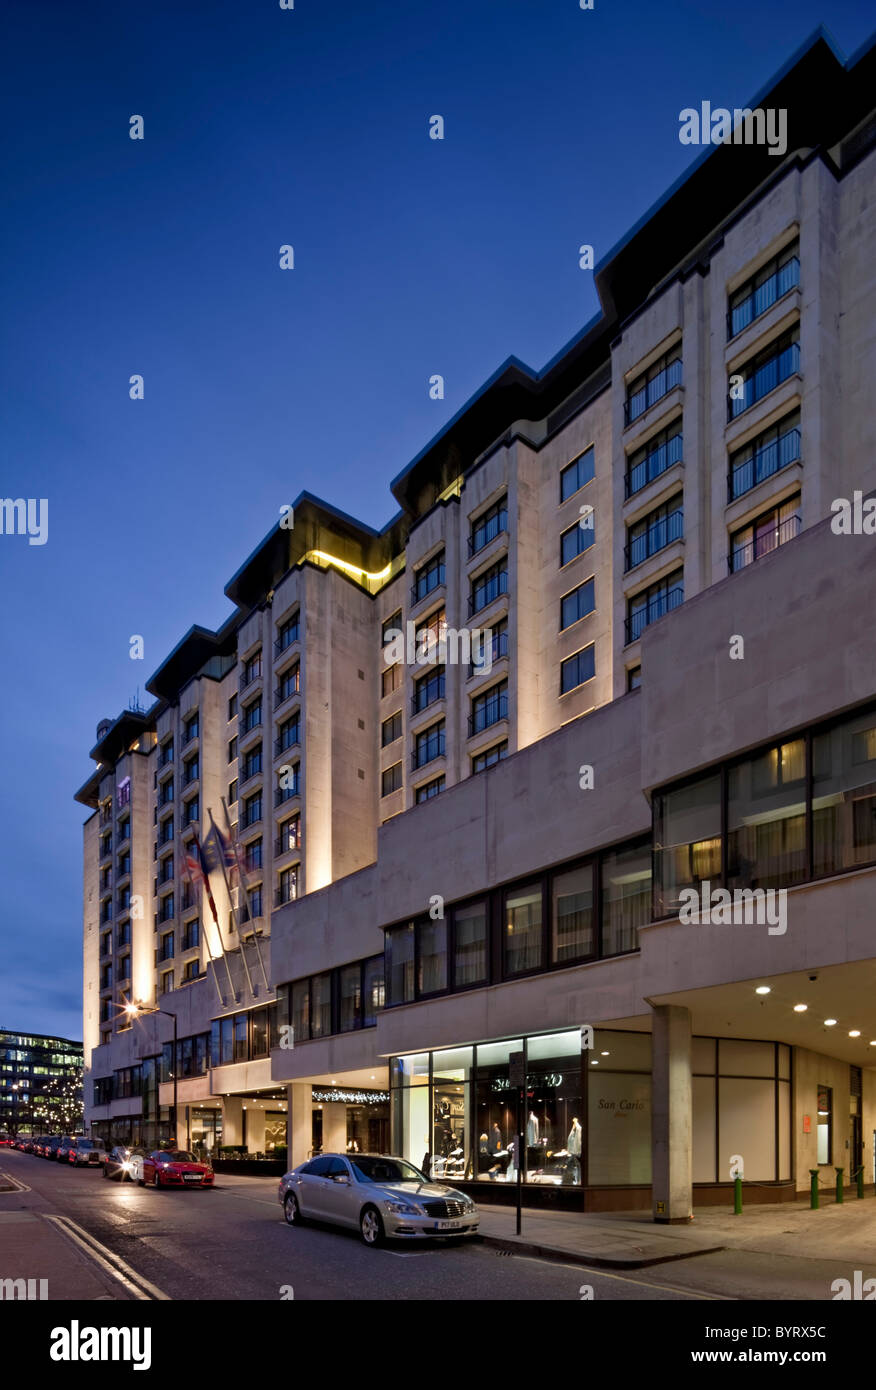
[[174, 1168]]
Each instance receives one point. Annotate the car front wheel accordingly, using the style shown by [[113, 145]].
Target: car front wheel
[[291, 1210], [371, 1226], [156, 1182]]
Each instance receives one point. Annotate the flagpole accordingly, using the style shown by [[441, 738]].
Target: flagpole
[[210, 959], [246, 894], [209, 892], [231, 904]]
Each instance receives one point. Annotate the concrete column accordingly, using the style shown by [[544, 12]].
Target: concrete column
[[334, 1128], [299, 1122], [255, 1129], [671, 1115], [232, 1120]]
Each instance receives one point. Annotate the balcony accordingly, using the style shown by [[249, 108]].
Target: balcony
[[287, 844], [165, 756], [429, 693], [742, 556], [286, 741], [249, 676], [430, 579], [427, 753], [285, 895], [643, 617], [767, 371], [482, 596], [763, 464], [652, 391], [658, 535], [283, 794], [763, 297], [282, 644], [281, 695], [492, 712], [656, 461]]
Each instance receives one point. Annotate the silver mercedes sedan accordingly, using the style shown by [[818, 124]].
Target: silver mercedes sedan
[[384, 1198]]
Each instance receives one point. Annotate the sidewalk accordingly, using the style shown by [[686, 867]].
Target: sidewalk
[[32, 1248], [631, 1240]]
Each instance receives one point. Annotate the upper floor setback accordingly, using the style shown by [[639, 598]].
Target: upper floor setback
[[676, 242]]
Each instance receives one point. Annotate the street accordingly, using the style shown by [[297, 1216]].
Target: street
[[232, 1243]]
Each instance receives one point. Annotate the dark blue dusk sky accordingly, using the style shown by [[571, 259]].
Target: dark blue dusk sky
[[266, 126]]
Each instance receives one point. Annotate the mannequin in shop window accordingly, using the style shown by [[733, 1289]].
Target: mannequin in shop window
[[531, 1130], [573, 1143]]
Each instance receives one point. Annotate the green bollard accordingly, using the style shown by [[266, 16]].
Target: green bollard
[[813, 1189], [839, 1187], [737, 1196], [861, 1181]]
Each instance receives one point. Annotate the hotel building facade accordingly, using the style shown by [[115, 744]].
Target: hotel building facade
[[467, 857]]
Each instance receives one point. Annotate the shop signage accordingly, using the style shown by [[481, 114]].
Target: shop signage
[[807, 1124], [326, 1095], [539, 1080]]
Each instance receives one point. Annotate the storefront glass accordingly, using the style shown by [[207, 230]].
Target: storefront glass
[[451, 1100]]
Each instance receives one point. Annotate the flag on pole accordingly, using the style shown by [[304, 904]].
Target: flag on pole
[[223, 851]]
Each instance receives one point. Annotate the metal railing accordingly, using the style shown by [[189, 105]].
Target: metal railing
[[743, 555], [658, 535], [653, 391], [484, 594], [763, 297], [491, 712], [763, 463], [643, 617]]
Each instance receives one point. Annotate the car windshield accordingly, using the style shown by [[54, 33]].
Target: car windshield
[[368, 1169], [178, 1156], [85, 1144]]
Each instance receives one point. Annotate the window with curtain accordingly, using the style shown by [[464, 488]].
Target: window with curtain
[[687, 840], [572, 917], [766, 818], [844, 795], [470, 948], [432, 964], [523, 935], [626, 895]]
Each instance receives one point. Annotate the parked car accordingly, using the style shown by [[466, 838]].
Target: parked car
[[123, 1163], [6, 1141], [51, 1149], [62, 1152], [175, 1168], [40, 1143], [381, 1196], [88, 1153]]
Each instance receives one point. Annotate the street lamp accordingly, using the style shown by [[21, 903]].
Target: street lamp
[[138, 1011]]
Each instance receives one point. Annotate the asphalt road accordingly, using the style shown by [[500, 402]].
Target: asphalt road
[[232, 1243]]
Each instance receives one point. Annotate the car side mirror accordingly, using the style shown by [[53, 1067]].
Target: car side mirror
[[341, 1178]]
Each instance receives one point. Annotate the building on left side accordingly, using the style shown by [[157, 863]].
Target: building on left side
[[40, 1083]]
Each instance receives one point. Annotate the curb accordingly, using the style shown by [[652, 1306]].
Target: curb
[[552, 1252]]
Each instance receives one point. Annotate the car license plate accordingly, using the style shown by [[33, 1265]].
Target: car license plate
[[192, 1177], [447, 1225]]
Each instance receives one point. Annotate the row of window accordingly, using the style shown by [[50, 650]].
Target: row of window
[[589, 910], [796, 810], [337, 1001]]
